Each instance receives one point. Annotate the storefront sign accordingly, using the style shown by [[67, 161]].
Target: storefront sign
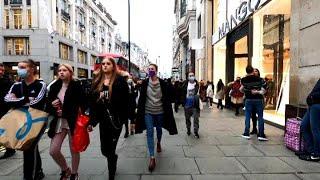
[[246, 8]]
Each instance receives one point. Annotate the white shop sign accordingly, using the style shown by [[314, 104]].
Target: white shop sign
[[238, 11]]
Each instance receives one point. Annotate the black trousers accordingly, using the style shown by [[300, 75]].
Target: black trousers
[[220, 104], [109, 137], [32, 163]]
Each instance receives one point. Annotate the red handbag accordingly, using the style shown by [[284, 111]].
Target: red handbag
[[80, 139]]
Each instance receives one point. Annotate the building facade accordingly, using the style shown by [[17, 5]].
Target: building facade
[[184, 54], [279, 37], [52, 32], [192, 34]]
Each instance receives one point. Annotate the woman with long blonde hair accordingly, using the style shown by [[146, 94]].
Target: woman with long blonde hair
[[109, 107], [64, 104]]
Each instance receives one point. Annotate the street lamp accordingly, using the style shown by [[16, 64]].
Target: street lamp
[[129, 43]]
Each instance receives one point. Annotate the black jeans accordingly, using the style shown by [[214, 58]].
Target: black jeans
[[31, 163], [220, 103]]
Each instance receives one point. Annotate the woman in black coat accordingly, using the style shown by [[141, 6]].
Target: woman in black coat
[[64, 104], [109, 107], [154, 109]]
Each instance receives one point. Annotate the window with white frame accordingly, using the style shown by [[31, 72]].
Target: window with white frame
[[17, 46], [82, 57], [17, 18], [65, 52]]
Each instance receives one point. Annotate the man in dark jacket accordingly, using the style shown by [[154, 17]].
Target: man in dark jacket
[[5, 85], [190, 102], [310, 126]]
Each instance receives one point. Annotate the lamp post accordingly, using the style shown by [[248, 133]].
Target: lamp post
[[129, 43]]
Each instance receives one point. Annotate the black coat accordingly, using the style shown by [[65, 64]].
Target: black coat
[[314, 96], [73, 100], [118, 103], [168, 118], [5, 85]]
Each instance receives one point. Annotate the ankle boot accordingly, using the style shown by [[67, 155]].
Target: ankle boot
[[152, 164]]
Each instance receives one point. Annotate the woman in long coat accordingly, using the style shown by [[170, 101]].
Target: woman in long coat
[[154, 109]]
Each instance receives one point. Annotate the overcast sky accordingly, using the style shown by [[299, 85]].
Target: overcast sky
[[151, 26]]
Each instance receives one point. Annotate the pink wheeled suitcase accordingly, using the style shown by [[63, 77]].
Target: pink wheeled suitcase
[[293, 138]]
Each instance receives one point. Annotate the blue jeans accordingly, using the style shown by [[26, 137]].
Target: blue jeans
[[153, 120], [257, 106], [310, 129]]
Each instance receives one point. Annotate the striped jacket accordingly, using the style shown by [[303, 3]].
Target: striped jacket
[[21, 94]]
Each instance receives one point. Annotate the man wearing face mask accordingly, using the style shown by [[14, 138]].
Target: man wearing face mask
[[190, 101], [5, 85], [29, 92]]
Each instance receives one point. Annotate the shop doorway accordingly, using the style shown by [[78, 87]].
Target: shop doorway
[[238, 52]]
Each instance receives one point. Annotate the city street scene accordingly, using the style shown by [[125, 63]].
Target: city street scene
[[159, 90]]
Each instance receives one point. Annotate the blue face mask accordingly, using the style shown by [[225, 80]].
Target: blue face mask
[[23, 73]]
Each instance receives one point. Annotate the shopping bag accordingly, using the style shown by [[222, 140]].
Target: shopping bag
[[19, 128], [80, 138]]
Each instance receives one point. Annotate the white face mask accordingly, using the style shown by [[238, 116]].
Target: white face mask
[[129, 81], [191, 78]]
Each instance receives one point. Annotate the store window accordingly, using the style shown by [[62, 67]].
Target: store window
[[17, 46], [17, 17], [219, 65], [82, 57], [65, 52], [240, 57], [272, 52], [7, 21], [29, 18]]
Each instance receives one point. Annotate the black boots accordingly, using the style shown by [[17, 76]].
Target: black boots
[[112, 166]]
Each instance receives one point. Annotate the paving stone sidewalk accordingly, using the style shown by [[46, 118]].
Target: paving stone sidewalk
[[219, 154]]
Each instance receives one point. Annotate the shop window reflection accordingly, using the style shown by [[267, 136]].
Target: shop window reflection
[[276, 57]]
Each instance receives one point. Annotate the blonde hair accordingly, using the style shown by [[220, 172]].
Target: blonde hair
[[98, 81], [69, 67]]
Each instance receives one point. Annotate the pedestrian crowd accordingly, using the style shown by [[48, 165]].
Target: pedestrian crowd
[[115, 98]]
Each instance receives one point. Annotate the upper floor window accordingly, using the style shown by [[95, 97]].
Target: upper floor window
[[29, 18], [64, 6], [5, 2], [17, 46], [183, 8], [16, 2], [17, 18], [64, 28], [82, 57], [28, 2], [6, 16], [199, 27], [93, 60], [65, 51]]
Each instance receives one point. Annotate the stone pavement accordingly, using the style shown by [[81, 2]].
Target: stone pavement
[[220, 153]]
